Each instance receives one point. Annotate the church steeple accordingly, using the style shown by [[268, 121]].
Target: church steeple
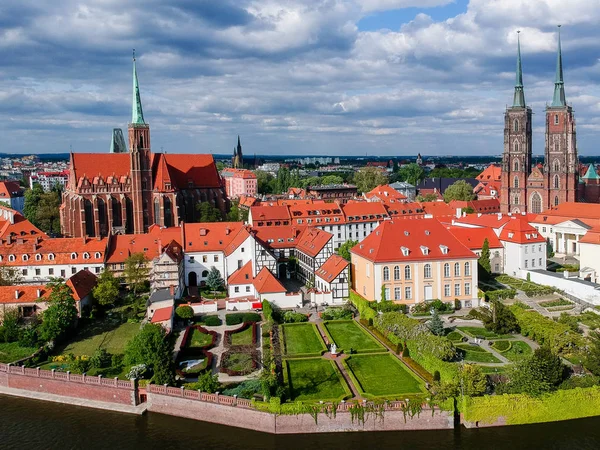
[[137, 115], [559, 84], [519, 100]]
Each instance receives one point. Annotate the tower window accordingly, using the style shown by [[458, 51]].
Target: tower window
[[555, 119], [556, 182], [556, 146], [516, 182], [556, 201], [516, 146], [516, 202], [556, 165], [516, 165], [516, 125]]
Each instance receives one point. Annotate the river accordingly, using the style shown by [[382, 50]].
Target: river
[[40, 425]]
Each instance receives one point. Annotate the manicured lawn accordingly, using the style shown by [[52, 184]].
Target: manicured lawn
[[11, 352], [314, 379], [112, 336], [348, 335], [518, 351], [199, 339], [552, 303], [243, 337], [454, 336], [382, 375], [482, 332], [302, 339], [240, 362], [476, 354]]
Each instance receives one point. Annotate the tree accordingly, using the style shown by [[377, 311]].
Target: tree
[[473, 382], [344, 249], [61, 315], [412, 173], [220, 166], [541, 372], [209, 213], [214, 280], [136, 271], [234, 213], [47, 214], [264, 182], [484, 259], [207, 382], [460, 190], [332, 179], [32, 200], [499, 319], [9, 276], [267, 310], [436, 326], [106, 290], [185, 312], [549, 249], [430, 197], [150, 346], [592, 360], [368, 178], [9, 332]]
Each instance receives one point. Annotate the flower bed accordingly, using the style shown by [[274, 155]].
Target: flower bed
[[237, 318], [239, 361], [197, 369], [559, 302], [187, 341], [529, 288], [245, 326]]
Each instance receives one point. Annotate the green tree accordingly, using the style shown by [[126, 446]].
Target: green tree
[[368, 178], [592, 360], [9, 276], [185, 312], [541, 372], [9, 332], [106, 290], [460, 190], [209, 213], [473, 382], [484, 259], [61, 315], [332, 179], [412, 173], [150, 346], [234, 213], [435, 325], [310, 181], [267, 310], [214, 280], [47, 214], [344, 249], [220, 165], [264, 182], [207, 382], [430, 197], [499, 319], [549, 249], [32, 200], [136, 271]]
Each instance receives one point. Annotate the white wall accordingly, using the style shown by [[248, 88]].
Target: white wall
[[244, 290], [584, 291], [590, 257], [282, 300], [236, 305], [45, 275], [200, 308]]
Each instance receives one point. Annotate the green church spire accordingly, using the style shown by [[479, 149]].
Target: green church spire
[[559, 84], [137, 115], [519, 100]]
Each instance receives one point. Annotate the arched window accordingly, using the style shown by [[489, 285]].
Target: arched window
[[86, 255], [516, 146], [38, 257], [73, 255], [25, 257], [516, 182], [556, 146], [427, 271], [51, 256], [407, 274], [516, 165], [386, 274], [536, 203], [556, 182], [516, 200], [11, 257], [456, 269], [396, 272], [204, 273], [467, 269], [556, 164], [516, 125], [556, 201], [157, 211], [447, 270], [97, 255]]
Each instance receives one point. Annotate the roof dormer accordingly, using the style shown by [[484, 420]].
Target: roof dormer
[[424, 250]]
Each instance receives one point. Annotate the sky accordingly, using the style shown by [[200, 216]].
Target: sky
[[319, 77]]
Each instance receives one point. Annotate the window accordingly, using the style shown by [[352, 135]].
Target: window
[[386, 274], [556, 164], [97, 255], [496, 268], [446, 290], [396, 272], [516, 165], [97, 269], [516, 200], [408, 293], [397, 293], [204, 273], [86, 255], [533, 263], [38, 271], [556, 201], [427, 271], [457, 290], [63, 273], [122, 266], [24, 272], [516, 125], [544, 229], [456, 269], [247, 288], [73, 255], [236, 289], [540, 248], [516, 146], [467, 269], [216, 258], [536, 204], [540, 261], [407, 273], [526, 250], [243, 250], [467, 288], [51, 271], [516, 182], [73, 270], [386, 292], [38, 257], [556, 182], [446, 270], [555, 119], [526, 264], [204, 258]]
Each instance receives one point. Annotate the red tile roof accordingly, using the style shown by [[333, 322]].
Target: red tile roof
[[473, 238], [19, 227], [105, 164], [82, 284], [266, 283], [162, 315], [592, 236], [152, 244], [196, 169], [485, 220], [278, 237], [269, 213], [247, 201], [27, 294], [241, 276], [334, 265], [490, 174], [588, 213], [312, 241], [364, 211], [518, 231], [54, 251], [238, 173], [216, 236], [10, 189], [385, 191], [410, 209], [438, 209], [487, 206], [318, 213], [421, 240]]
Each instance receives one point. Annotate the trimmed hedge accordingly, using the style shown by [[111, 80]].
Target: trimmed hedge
[[500, 294], [238, 318], [501, 346], [208, 357], [187, 334], [236, 350], [212, 321], [362, 305], [228, 333]]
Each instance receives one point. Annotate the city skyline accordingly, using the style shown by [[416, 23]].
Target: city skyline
[[325, 77]]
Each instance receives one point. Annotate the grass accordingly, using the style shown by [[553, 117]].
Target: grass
[[454, 336], [590, 319], [108, 334], [243, 337], [482, 332], [199, 339], [492, 370], [476, 354], [302, 339], [11, 352], [518, 351], [552, 303], [240, 362], [502, 346], [348, 335], [382, 374], [314, 379]]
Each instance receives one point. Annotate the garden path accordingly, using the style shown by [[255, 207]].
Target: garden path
[[338, 362], [486, 347]]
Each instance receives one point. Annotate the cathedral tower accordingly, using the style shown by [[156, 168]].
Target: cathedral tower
[[516, 159], [561, 163]]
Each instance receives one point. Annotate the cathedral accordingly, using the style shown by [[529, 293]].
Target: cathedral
[[535, 188], [127, 192]]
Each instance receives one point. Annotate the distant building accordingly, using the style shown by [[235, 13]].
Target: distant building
[[405, 189], [440, 185], [237, 161], [50, 179], [12, 195], [333, 192], [239, 182]]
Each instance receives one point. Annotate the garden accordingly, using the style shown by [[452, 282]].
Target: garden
[[528, 287], [350, 337], [194, 357], [476, 353], [13, 351], [314, 379], [241, 357], [382, 375], [302, 339], [513, 350], [482, 333]]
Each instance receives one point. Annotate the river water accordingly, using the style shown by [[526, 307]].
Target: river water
[[31, 424]]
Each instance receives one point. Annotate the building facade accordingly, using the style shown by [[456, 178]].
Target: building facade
[[239, 182]]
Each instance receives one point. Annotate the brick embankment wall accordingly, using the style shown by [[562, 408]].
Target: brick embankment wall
[[94, 389]]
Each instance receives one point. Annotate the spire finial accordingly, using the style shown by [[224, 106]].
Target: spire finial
[[137, 114], [519, 98], [134, 54], [559, 84]]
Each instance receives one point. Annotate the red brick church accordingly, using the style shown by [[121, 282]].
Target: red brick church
[[535, 188], [117, 193]]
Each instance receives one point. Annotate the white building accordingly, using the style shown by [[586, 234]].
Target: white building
[[333, 278], [524, 247], [49, 179]]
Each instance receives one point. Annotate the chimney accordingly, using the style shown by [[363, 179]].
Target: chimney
[[39, 293], [227, 231], [172, 290], [202, 231], [17, 294], [84, 239]]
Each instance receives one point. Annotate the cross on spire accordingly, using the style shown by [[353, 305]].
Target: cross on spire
[[559, 84], [137, 114], [519, 99]]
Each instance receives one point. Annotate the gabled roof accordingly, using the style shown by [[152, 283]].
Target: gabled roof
[[162, 315], [407, 209], [10, 189], [592, 236], [312, 241], [438, 209], [247, 201], [241, 276], [473, 238], [26, 294], [490, 174], [484, 220], [518, 231], [334, 265], [269, 213], [194, 169], [59, 251], [15, 224], [106, 164], [411, 240], [82, 284], [384, 191], [278, 236], [364, 211], [152, 244], [588, 213], [214, 236], [266, 283]]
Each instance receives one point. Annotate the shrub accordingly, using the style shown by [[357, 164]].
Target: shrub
[[336, 314], [293, 317], [246, 389], [212, 321], [138, 371], [185, 312], [363, 306], [207, 382], [389, 306], [101, 358], [500, 294], [79, 365], [454, 336], [267, 310], [436, 375], [238, 318], [405, 352]]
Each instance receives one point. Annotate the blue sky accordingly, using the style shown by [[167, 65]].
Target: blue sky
[[335, 77]]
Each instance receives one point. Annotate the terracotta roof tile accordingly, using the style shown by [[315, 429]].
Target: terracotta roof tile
[[151, 244], [215, 236], [334, 265], [588, 213], [54, 251], [312, 241], [518, 230], [26, 294], [10, 189], [269, 213], [473, 238], [82, 284], [490, 174], [162, 315], [241, 276], [266, 283]]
